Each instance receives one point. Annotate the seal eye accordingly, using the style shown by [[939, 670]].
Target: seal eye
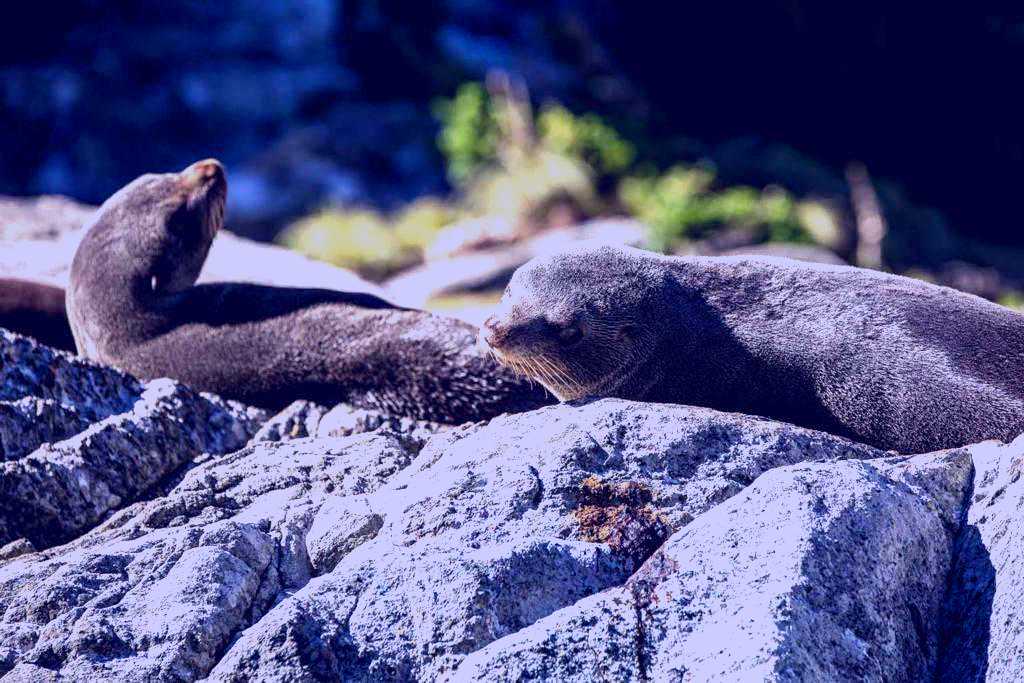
[[570, 334]]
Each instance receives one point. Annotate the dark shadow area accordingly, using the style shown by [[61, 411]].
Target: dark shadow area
[[966, 616]]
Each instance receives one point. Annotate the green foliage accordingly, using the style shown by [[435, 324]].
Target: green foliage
[[469, 132], [508, 162], [682, 204], [587, 138], [366, 241], [1013, 299], [417, 225], [514, 192]]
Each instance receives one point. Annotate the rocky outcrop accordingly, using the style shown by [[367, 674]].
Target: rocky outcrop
[[79, 440], [494, 527], [984, 620], [817, 572], [610, 540]]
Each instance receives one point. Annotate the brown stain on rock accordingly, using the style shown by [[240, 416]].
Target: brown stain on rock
[[620, 515]]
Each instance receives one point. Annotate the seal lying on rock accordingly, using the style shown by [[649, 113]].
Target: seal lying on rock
[[133, 304], [885, 360]]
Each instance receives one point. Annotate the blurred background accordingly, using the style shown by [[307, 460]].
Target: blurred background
[[433, 147]]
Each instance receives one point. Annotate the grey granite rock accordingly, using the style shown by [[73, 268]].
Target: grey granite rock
[[816, 572], [79, 440], [984, 635], [160, 589], [40, 218], [493, 527], [606, 540]]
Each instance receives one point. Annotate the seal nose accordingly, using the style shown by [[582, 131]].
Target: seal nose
[[493, 332], [205, 171]]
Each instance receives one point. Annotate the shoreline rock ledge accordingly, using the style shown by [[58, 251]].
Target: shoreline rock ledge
[[150, 532]]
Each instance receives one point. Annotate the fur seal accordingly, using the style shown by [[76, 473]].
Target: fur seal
[[133, 304], [37, 310], [885, 360]]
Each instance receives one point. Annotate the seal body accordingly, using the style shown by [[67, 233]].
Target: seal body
[[886, 360], [35, 309], [133, 304]]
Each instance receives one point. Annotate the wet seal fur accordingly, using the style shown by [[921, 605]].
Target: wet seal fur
[[885, 360], [133, 303]]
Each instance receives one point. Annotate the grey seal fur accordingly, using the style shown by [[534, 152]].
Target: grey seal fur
[[133, 304], [885, 360], [37, 310]]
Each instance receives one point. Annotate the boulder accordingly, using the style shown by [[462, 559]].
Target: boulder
[[816, 572], [159, 591], [494, 527], [464, 269], [148, 532], [79, 441], [984, 635]]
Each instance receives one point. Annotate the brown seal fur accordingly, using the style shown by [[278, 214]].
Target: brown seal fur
[[886, 360], [133, 303], [37, 310]]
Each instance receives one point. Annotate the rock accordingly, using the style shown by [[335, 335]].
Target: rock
[[29, 370], [817, 571], [984, 638], [237, 259], [40, 218], [80, 441], [799, 252], [161, 588], [496, 526], [296, 421], [303, 418], [43, 235], [605, 539], [491, 268], [345, 420]]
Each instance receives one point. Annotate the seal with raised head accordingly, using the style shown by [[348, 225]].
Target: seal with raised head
[[882, 359], [133, 303]]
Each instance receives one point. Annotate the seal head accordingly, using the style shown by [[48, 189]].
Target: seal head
[[580, 321], [174, 218]]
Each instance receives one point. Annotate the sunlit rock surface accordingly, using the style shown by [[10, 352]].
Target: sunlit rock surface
[[154, 533]]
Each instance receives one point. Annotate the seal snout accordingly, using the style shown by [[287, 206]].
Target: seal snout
[[494, 333], [205, 173]]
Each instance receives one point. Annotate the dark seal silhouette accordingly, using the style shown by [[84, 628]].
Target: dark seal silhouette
[[37, 310], [882, 359], [133, 304]]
